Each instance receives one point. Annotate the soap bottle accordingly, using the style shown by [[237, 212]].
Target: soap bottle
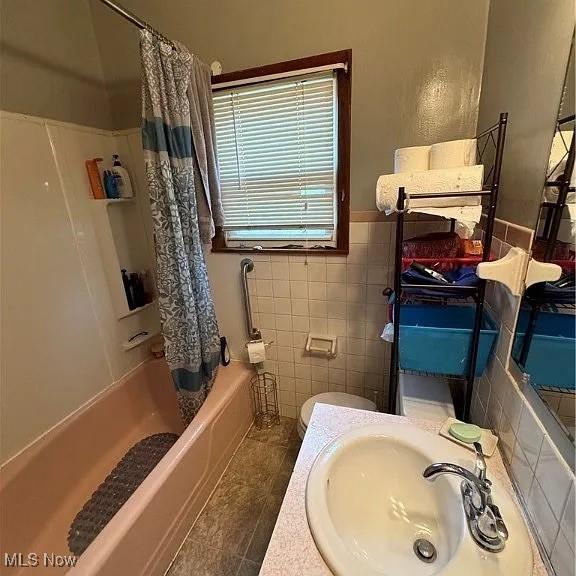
[[110, 185], [128, 290], [122, 178]]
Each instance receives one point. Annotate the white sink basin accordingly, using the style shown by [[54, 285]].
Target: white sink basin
[[367, 504]]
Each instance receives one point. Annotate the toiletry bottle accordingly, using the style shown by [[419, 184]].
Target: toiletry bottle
[[122, 178], [137, 290], [110, 185], [127, 290]]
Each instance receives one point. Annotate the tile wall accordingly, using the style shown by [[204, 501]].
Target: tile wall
[[294, 295], [545, 482]]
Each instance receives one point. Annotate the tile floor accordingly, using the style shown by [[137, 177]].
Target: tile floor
[[231, 535]]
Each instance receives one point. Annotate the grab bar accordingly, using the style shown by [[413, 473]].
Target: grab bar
[[247, 266]]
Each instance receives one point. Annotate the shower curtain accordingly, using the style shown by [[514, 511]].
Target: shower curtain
[[181, 170]]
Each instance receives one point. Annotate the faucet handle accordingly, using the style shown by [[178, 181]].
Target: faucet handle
[[480, 467]]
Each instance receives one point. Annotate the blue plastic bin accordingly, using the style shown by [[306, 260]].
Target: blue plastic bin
[[552, 357], [437, 339]]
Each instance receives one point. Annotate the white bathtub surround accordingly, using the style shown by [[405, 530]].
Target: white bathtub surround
[[542, 476], [292, 551], [294, 295]]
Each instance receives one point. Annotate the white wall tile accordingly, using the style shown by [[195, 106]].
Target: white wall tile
[[262, 270], [301, 323], [319, 373], [318, 325], [337, 327], [522, 471], [281, 288], [318, 308], [303, 386], [355, 363], [286, 383], [338, 362], [268, 321], [567, 520], [530, 436], [299, 289], [265, 304], [356, 293], [284, 338], [336, 292], [280, 271], [356, 273], [284, 322], [563, 556], [317, 272], [300, 307], [317, 290], [282, 306], [336, 272], [357, 254], [554, 477], [300, 339], [336, 376], [546, 523], [359, 232], [356, 311], [379, 233], [319, 387], [264, 287], [298, 271], [302, 371], [336, 310], [284, 354]]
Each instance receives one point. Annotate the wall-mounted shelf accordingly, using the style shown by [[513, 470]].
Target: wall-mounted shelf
[[108, 201], [129, 344], [136, 310]]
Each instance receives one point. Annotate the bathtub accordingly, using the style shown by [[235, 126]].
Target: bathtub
[[45, 486]]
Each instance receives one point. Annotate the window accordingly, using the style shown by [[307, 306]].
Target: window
[[282, 136]]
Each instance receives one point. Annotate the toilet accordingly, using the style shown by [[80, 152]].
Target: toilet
[[424, 397], [334, 399]]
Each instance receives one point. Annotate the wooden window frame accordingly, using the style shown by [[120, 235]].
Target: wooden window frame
[[344, 94]]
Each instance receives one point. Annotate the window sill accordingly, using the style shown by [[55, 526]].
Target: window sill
[[287, 251]]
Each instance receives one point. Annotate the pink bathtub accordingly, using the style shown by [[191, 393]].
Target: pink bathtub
[[44, 487]]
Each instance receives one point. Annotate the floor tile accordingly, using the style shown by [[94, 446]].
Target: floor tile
[[230, 516], [248, 568], [201, 560], [256, 462], [264, 528], [279, 435]]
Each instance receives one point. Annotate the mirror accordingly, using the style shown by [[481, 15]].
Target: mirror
[[544, 343]]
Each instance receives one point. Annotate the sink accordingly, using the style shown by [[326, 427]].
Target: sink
[[371, 512]]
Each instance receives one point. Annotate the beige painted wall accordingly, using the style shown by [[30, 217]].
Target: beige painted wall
[[527, 50], [50, 62], [416, 72]]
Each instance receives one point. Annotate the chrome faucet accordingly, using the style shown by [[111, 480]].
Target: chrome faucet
[[484, 520]]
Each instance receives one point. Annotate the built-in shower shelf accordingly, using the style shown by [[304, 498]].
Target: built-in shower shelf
[[136, 310], [129, 344], [109, 201]]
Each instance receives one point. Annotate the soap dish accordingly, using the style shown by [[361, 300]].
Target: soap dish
[[487, 440]]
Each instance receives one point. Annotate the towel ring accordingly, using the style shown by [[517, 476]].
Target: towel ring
[[406, 205]]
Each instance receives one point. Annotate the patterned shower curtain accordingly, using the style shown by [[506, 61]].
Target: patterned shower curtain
[[179, 154]]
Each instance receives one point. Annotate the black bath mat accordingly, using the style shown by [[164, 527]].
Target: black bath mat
[[119, 485]]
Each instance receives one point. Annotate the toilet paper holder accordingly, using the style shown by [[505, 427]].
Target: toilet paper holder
[[322, 345]]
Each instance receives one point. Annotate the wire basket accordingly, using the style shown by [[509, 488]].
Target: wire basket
[[265, 399]]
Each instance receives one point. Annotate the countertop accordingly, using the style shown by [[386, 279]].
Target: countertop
[[292, 551]]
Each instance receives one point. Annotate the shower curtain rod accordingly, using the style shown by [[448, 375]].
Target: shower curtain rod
[[142, 24]]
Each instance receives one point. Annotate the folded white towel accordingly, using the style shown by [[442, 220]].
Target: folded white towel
[[453, 154], [466, 217], [413, 159], [464, 179]]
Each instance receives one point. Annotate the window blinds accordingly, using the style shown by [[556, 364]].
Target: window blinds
[[277, 154]]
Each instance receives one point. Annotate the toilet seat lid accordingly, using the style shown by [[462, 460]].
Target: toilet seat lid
[[335, 399]]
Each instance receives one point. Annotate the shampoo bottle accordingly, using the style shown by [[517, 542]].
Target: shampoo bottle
[[123, 183]]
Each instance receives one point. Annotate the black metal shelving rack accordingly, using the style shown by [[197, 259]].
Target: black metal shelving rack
[[538, 298], [490, 141]]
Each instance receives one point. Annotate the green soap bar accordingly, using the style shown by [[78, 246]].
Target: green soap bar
[[465, 432]]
